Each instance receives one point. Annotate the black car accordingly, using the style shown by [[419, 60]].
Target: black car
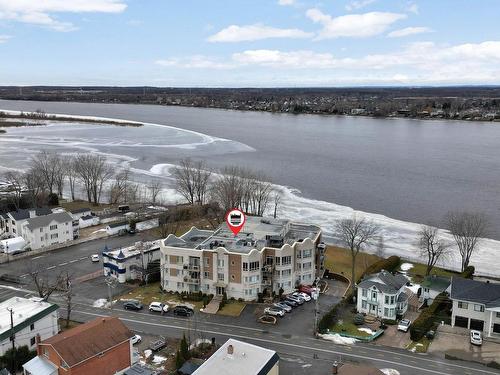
[[290, 302], [132, 305], [186, 308], [182, 311]]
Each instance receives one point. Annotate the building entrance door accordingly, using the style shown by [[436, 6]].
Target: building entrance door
[[220, 290]]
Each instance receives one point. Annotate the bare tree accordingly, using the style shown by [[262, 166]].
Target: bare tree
[[431, 246], [93, 171], [168, 223], [35, 185], [71, 173], [67, 289], [41, 277], [154, 189], [48, 165], [192, 179], [276, 202], [355, 234], [467, 229], [228, 189], [15, 180], [119, 189]]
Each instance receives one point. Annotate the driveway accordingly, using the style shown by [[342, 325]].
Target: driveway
[[455, 342]]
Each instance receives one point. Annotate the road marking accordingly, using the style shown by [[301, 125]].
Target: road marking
[[74, 260], [38, 257], [63, 264], [83, 258], [51, 267], [308, 347]]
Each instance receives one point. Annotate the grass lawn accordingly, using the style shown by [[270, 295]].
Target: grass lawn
[[417, 272], [62, 324], [419, 346], [348, 328], [149, 293], [232, 308], [339, 260], [75, 205]]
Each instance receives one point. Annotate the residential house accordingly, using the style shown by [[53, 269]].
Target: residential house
[[432, 286], [88, 221], [12, 222], [48, 230], [265, 256], [30, 317], [383, 295], [238, 357], [131, 263], [115, 228], [80, 212], [476, 305], [102, 346]]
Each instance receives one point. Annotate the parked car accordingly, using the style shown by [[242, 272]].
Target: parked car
[[132, 305], [290, 302], [299, 300], [404, 325], [136, 339], [186, 308], [302, 295], [182, 311], [94, 257], [283, 306], [158, 307], [307, 289], [275, 311], [476, 338]]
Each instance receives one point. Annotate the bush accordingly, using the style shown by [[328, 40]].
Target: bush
[[468, 272], [359, 319], [240, 299], [53, 199], [426, 320], [260, 297], [390, 264], [19, 356]]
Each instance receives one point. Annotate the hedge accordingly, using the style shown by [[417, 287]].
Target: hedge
[[426, 321], [390, 264], [468, 272]]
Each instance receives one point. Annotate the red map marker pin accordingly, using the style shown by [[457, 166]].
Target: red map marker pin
[[235, 219]]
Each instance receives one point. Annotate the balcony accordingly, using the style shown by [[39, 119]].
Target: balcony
[[191, 267]]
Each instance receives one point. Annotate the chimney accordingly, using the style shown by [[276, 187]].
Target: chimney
[[32, 213], [37, 339], [335, 368], [230, 350]]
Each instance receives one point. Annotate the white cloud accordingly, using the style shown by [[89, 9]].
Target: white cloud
[[409, 31], [358, 4], [353, 25], [286, 2], [235, 33], [40, 12], [195, 62], [413, 8], [293, 59]]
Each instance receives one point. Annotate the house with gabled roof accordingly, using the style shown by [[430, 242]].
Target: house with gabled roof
[[48, 230], [432, 286], [12, 222], [476, 305], [102, 346], [383, 295]]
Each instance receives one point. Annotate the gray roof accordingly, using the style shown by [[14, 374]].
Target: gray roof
[[475, 291], [116, 225], [87, 217], [139, 369], [25, 213], [390, 284], [80, 210], [437, 283], [43, 221]]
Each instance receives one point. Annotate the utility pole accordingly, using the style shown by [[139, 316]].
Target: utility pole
[[110, 281], [315, 296], [12, 338]]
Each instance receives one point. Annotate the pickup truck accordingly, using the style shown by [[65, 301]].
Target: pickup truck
[[158, 344]]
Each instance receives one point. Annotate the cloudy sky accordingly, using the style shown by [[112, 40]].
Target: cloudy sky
[[228, 43]]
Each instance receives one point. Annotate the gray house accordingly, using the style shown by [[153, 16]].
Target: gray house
[[476, 305]]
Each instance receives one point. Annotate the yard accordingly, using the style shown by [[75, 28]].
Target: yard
[[417, 272], [339, 260], [152, 292], [232, 308]]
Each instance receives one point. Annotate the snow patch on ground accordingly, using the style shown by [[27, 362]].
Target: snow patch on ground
[[390, 371], [406, 266], [101, 302], [198, 342], [147, 353], [337, 339], [158, 359], [366, 330], [414, 288], [99, 230]]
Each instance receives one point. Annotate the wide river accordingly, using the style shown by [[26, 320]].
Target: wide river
[[409, 170]]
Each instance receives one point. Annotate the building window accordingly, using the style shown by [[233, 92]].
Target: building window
[[32, 326], [479, 308], [41, 230], [286, 260], [207, 261], [463, 305], [180, 285], [254, 266], [220, 262], [245, 266], [391, 312], [374, 296], [306, 253], [206, 275], [307, 266], [386, 311], [364, 292], [286, 273], [393, 299], [32, 341], [52, 236], [498, 315], [53, 227], [277, 260], [220, 276], [232, 263], [45, 352], [363, 304], [386, 301], [65, 365], [232, 277]]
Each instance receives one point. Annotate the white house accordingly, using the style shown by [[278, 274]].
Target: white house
[[31, 317], [476, 305], [265, 256], [432, 286], [48, 230], [88, 221], [115, 228], [12, 222], [382, 295], [80, 212], [239, 357], [130, 263]]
